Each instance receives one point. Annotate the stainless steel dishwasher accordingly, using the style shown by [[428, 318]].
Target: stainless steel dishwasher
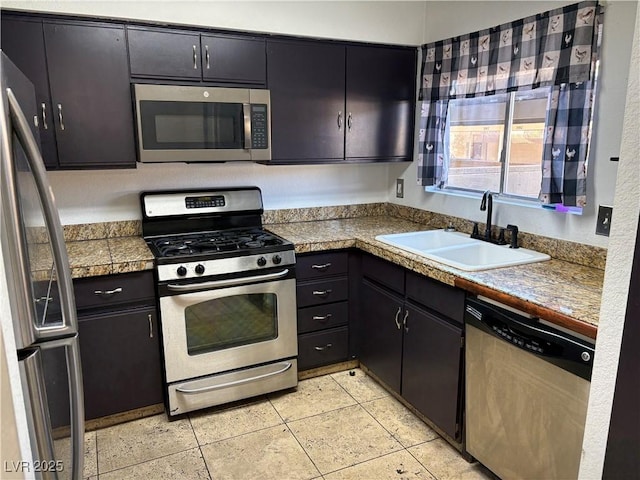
[[527, 387]]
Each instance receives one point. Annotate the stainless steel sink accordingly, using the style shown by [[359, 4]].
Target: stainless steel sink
[[460, 251]]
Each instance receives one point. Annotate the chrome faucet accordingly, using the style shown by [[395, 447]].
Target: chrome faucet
[[487, 204]]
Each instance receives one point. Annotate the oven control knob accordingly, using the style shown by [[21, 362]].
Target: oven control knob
[[277, 259], [182, 271], [199, 269], [262, 262]]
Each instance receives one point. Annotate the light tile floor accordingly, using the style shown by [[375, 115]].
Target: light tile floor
[[334, 427]]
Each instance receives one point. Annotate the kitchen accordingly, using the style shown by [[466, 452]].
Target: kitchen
[[326, 185]]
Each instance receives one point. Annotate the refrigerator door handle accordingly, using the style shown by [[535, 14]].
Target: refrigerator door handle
[[67, 301], [69, 327]]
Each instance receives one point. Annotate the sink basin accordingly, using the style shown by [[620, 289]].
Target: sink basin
[[460, 251]]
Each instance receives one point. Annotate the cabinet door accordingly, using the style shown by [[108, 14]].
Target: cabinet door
[[23, 43], [89, 79], [431, 369], [164, 53], [381, 86], [233, 59], [381, 350], [120, 361], [306, 81]]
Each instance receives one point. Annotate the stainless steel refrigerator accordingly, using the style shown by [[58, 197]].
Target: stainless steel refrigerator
[[39, 284]]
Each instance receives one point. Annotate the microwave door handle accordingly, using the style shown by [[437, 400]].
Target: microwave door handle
[[246, 112]]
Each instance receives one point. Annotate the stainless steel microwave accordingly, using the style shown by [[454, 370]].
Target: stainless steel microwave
[[177, 123]]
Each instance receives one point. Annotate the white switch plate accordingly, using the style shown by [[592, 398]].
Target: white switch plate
[[400, 188]]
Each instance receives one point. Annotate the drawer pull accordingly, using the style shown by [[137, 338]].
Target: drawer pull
[[322, 293], [322, 318], [150, 325], [44, 299], [324, 266], [404, 321], [108, 293], [397, 317], [320, 349]]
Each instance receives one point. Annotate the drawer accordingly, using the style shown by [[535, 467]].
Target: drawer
[[113, 290], [323, 348], [321, 265], [383, 272], [435, 295], [321, 317], [322, 291]]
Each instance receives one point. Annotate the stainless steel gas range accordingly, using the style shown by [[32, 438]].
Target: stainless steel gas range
[[227, 296]]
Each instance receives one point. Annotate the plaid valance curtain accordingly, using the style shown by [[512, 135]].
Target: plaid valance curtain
[[558, 48]]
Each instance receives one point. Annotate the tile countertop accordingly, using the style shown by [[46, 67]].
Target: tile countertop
[[92, 258], [561, 292]]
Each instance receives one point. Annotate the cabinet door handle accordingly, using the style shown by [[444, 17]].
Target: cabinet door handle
[[320, 349], [108, 293], [322, 318], [195, 58], [324, 266], [339, 120], [44, 116], [206, 55], [404, 321], [322, 293], [60, 117], [150, 326], [397, 317], [349, 121]]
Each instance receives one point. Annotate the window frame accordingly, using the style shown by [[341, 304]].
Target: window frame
[[505, 151]]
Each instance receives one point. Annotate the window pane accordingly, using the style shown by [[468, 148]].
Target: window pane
[[523, 174], [230, 322], [475, 132]]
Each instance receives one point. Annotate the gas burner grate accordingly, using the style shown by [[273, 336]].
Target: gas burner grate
[[214, 242]]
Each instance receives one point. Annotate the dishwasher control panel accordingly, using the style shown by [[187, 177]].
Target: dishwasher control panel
[[528, 333]]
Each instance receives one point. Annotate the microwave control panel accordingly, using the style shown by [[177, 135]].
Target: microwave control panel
[[259, 135]]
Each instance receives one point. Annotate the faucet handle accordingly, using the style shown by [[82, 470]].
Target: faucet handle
[[501, 240], [475, 233], [514, 236]]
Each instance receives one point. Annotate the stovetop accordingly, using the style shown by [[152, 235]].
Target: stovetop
[[211, 244]]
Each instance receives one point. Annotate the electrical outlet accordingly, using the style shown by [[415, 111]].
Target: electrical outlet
[[400, 188], [603, 226]]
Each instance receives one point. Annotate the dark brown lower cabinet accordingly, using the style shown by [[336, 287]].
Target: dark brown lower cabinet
[[409, 343], [119, 349], [431, 361], [120, 361], [381, 348]]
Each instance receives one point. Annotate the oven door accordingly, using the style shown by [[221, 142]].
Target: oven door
[[209, 330]]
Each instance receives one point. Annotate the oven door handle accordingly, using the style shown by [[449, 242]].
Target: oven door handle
[[192, 391], [226, 283]]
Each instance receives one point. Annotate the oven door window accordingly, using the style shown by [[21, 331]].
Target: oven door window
[[231, 321], [191, 125]]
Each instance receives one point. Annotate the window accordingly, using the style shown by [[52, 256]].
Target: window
[[496, 142]]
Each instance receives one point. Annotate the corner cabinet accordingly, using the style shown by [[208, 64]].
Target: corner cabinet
[[334, 103], [412, 339], [119, 348], [184, 54], [81, 75]]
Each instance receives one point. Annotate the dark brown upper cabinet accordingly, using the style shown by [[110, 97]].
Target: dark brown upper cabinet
[[81, 76], [307, 82], [333, 103], [186, 55]]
